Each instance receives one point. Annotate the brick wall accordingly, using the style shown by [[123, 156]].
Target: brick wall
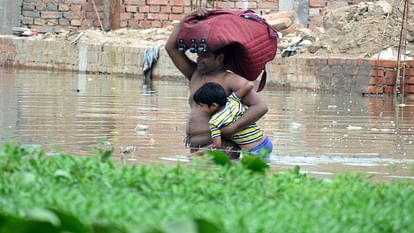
[[53, 15]]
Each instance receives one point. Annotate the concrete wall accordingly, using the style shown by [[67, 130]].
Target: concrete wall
[[9, 15], [301, 7], [336, 75], [61, 55]]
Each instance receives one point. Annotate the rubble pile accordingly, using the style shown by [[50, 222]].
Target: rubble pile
[[362, 30], [124, 36]]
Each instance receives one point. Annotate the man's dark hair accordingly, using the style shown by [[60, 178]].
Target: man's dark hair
[[210, 93], [229, 51]]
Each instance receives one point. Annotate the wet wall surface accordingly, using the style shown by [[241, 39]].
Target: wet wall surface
[[145, 123]]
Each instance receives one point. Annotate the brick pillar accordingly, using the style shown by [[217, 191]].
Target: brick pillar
[[382, 77], [407, 79]]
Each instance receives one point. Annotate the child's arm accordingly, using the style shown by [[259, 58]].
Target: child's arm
[[216, 142], [244, 90]]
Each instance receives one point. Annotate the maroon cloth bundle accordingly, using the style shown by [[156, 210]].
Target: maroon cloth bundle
[[253, 42]]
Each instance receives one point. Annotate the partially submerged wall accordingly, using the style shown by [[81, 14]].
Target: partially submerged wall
[[62, 55], [336, 75]]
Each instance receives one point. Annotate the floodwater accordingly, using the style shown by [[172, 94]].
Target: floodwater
[[323, 133]]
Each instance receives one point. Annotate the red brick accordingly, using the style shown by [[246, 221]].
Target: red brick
[[225, 5], [145, 24], [372, 81], [166, 9], [316, 3], [75, 1], [155, 9], [188, 10], [373, 62], [88, 8], [133, 23], [388, 89], [407, 80], [131, 9], [51, 15], [176, 16], [63, 7], [125, 16], [178, 2], [376, 73], [409, 89], [167, 25], [156, 24], [134, 2], [267, 5], [390, 81], [157, 2], [143, 9], [139, 16], [376, 80], [177, 9], [407, 72], [386, 63], [75, 8], [391, 74], [332, 61], [157, 16], [372, 89]]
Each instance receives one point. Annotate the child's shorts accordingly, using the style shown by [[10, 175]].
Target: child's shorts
[[263, 150]]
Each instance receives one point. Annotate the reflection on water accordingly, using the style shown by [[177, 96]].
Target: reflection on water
[[323, 133]]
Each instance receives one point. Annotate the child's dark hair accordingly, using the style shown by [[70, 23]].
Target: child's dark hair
[[210, 93]]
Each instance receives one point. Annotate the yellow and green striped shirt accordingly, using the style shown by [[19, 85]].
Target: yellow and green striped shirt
[[233, 110]]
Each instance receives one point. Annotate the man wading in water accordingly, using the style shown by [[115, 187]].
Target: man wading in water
[[210, 68]]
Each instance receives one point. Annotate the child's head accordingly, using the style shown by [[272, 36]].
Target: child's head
[[211, 96]]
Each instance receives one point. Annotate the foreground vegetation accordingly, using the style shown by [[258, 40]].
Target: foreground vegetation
[[64, 193]]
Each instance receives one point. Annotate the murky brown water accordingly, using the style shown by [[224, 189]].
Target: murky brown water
[[323, 133]]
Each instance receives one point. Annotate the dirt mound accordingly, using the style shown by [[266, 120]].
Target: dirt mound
[[363, 30]]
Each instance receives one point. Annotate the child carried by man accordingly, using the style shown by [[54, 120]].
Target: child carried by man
[[224, 110]]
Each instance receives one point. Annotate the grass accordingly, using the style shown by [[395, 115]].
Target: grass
[[65, 193]]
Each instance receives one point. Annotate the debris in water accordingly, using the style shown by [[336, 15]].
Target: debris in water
[[351, 127]]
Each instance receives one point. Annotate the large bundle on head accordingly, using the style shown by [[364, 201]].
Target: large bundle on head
[[250, 40]]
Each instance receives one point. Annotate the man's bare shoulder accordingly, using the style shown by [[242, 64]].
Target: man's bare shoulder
[[234, 81]]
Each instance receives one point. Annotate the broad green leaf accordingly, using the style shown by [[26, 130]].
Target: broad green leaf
[[254, 163], [44, 215], [219, 157], [62, 173], [70, 223]]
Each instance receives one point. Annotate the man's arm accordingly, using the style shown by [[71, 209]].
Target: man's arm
[[184, 64], [244, 90], [256, 107]]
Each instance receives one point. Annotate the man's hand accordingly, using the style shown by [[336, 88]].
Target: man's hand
[[228, 131], [200, 12]]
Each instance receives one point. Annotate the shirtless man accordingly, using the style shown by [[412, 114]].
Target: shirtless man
[[210, 68]]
